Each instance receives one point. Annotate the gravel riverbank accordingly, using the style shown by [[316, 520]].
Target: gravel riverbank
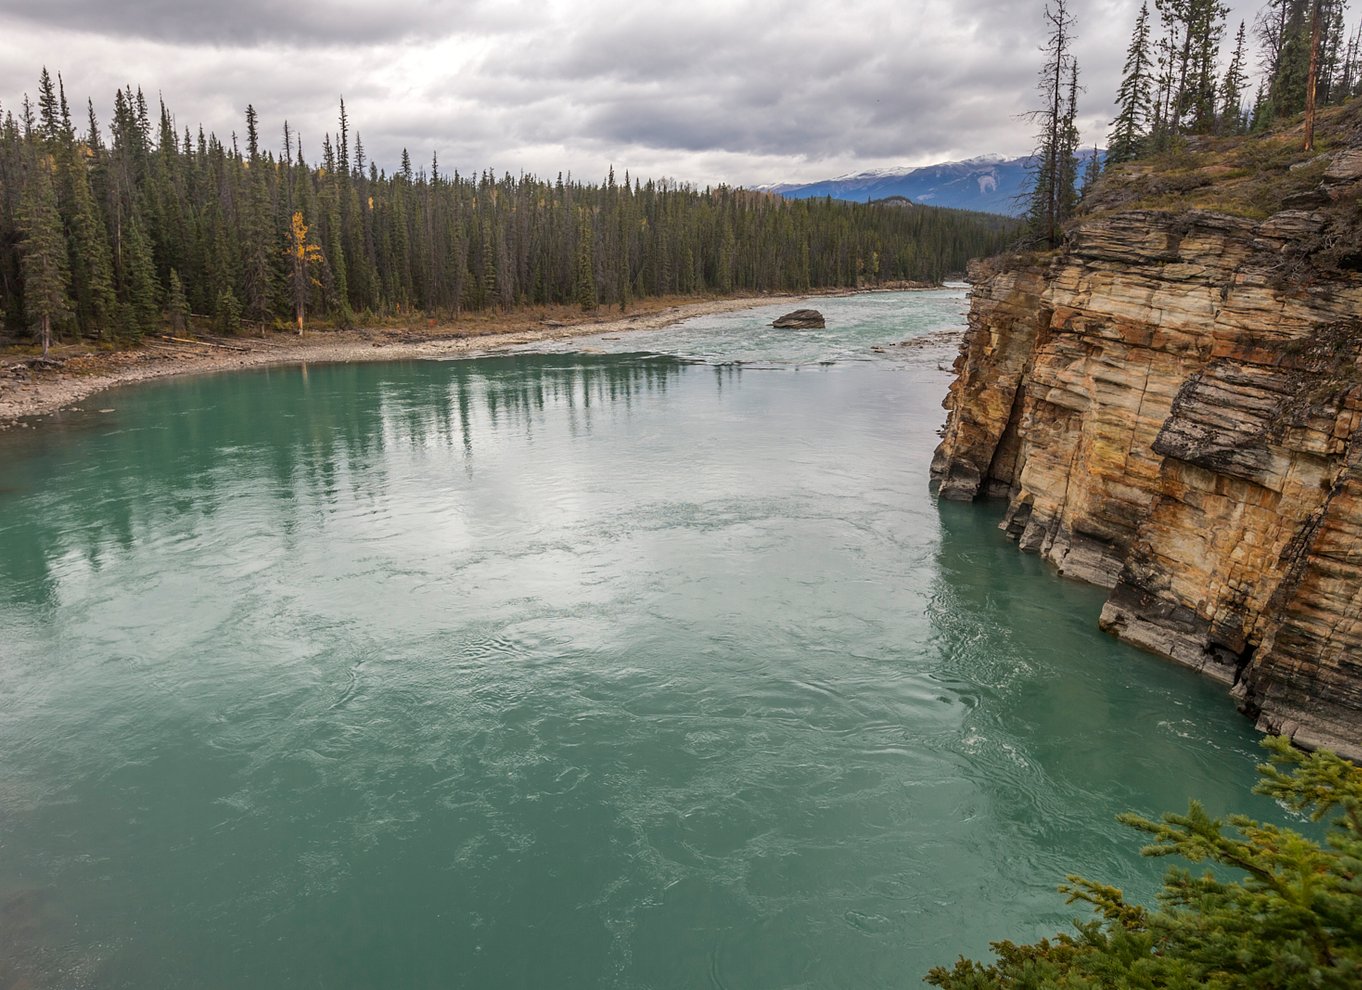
[[30, 390]]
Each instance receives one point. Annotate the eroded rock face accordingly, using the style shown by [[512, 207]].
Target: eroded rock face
[[1174, 412]]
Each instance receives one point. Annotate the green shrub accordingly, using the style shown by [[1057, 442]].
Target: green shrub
[[1290, 918]]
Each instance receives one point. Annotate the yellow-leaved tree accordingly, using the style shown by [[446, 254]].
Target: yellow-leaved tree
[[305, 255]]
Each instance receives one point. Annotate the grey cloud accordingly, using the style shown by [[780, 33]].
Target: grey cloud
[[744, 91], [243, 23], [786, 89]]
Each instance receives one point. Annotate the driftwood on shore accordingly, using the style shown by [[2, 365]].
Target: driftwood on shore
[[202, 343]]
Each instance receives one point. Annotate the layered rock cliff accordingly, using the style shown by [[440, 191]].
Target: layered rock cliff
[[1172, 406]]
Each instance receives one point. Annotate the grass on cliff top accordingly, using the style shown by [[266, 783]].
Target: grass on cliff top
[[1245, 175]]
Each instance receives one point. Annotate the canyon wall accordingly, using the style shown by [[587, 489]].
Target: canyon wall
[[1172, 406]]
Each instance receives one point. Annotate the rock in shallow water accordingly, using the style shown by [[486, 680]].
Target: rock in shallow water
[[801, 319]]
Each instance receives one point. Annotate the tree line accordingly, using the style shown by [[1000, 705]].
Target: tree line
[[113, 235], [1179, 79], [1185, 75]]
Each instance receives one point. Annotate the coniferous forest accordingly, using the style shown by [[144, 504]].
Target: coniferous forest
[[110, 235], [1185, 77]]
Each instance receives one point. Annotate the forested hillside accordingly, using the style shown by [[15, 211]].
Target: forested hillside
[[113, 236]]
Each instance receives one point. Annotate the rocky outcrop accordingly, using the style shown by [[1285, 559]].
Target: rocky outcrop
[[801, 319], [1172, 406]]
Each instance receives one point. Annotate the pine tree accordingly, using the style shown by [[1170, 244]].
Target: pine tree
[[1286, 36], [1161, 126], [1350, 69], [177, 304], [1232, 88], [258, 233], [1053, 191], [1135, 96], [227, 313], [343, 143], [586, 265], [43, 254], [1207, 27], [1066, 191], [1283, 911], [88, 240], [1092, 171], [49, 115], [140, 296]]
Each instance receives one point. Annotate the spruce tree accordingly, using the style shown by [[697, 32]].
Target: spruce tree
[[1066, 191], [43, 254], [1135, 96], [49, 114], [90, 261], [258, 237], [177, 304], [140, 294], [1092, 171], [227, 313], [1282, 912], [1232, 88], [1053, 190], [1208, 27], [1290, 68], [1350, 68], [586, 265]]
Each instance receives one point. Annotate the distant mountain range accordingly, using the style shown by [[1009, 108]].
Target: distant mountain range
[[989, 183]]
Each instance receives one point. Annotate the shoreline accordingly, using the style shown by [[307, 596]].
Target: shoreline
[[28, 393]]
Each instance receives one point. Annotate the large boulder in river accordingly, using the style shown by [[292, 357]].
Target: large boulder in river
[[801, 319]]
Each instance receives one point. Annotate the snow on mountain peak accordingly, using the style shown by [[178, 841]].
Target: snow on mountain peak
[[989, 159], [899, 171]]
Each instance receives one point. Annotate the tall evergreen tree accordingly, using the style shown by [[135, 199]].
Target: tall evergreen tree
[[96, 304], [49, 113], [177, 304], [1285, 33], [43, 254], [586, 265], [1092, 170], [140, 296], [1067, 186], [1232, 87], [1053, 190], [1134, 98], [1350, 69], [1203, 93]]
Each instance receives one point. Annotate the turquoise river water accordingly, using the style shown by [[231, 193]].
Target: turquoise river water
[[645, 663]]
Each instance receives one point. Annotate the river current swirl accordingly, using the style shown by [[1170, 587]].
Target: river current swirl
[[649, 662]]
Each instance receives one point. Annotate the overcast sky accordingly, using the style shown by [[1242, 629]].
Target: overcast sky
[[738, 91]]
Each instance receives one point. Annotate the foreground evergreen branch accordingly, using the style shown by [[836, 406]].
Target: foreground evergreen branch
[[1286, 914]]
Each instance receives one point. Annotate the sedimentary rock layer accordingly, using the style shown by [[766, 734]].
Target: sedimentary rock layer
[[1172, 406]]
